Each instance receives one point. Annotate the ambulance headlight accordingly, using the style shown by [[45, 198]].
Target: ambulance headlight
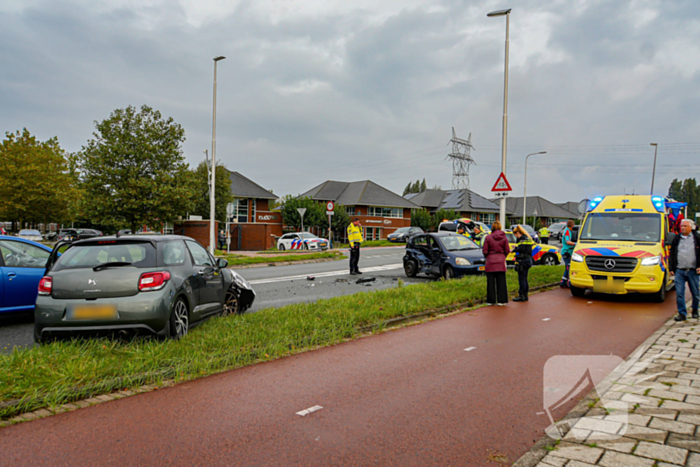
[[462, 262], [653, 261], [576, 257]]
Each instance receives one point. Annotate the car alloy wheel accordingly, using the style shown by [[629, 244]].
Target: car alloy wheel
[[180, 321], [281, 247], [549, 260], [448, 273], [232, 305]]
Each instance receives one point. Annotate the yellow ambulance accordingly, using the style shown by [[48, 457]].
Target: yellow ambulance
[[621, 248]]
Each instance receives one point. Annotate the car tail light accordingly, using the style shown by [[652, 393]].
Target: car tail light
[[45, 285], [153, 280]]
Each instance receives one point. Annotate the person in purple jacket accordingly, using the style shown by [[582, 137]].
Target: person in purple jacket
[[496, 249]]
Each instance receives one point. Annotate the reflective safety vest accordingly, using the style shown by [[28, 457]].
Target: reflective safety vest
[[478, 238], [544, 232], [355, 234]]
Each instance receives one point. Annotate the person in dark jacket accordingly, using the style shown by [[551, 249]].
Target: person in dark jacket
[[495, 250], [523, 261], [222, 240], [684, 265]]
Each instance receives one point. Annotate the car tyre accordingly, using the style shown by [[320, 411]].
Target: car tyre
[[577, 291], [37, 337], [549, 260], [232, 303], [660, 296], [179, 320], [411, 268], [448, 273], [281, 247]]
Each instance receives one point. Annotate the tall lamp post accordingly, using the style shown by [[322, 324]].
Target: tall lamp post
[[653, 173], [212, 196], [525, 192], [504, 143]]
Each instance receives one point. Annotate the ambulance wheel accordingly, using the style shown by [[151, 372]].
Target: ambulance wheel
[[660, 296], [577, 291], [281, 247]]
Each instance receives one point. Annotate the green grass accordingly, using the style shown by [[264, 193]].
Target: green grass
[[63, 371], [242, 260]]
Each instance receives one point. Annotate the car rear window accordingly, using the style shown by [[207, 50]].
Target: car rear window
[[140, 255], [448, 226]]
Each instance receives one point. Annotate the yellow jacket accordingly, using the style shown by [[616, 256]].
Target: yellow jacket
[[355, 234], [544, 232]]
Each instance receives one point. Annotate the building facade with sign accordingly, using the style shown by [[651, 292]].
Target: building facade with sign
[[464, 202], [381, 211], [253, 225]]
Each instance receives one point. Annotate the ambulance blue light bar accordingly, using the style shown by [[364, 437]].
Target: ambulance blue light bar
[[658, 202], [595, 203]]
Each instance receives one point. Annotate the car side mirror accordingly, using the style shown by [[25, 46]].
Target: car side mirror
[[669, 239], [222, 263]]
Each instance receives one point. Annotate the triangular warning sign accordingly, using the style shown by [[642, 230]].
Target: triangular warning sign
[[502, 184]]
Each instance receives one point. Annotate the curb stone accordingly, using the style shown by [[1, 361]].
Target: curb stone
[[83, 397]]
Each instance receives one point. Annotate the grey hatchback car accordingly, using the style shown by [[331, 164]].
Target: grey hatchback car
[[159, 284]]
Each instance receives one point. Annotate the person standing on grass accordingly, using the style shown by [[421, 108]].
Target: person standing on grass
[[567, 249], [544, 235], [496, 249], [523, 261], [355, 237], [684, 265]]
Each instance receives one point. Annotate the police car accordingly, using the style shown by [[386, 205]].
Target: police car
[[301, 241]]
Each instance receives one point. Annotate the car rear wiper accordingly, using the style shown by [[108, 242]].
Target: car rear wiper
[[109, 265]]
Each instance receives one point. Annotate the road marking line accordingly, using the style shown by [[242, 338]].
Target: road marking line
[[306, 412], [469, 349], [546, 319], [325, 274]]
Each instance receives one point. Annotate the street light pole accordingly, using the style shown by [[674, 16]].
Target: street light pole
[[212, 196], [653, 174], [504, 142], [525, 191]]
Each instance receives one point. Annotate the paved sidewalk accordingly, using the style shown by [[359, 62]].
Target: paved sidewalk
[[648, 410]]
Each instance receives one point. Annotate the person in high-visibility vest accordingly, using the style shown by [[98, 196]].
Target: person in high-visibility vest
[[477, 235], [523, 261], [544, 235], [355, 237], [462, 230]]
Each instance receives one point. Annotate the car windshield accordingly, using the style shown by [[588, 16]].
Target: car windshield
[[622, 226], [30, 232], [308, 236], [458, 243], [402, 230], [511, 238], [139, 255]]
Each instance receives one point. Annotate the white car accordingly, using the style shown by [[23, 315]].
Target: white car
[[301, 241], [33, 235]]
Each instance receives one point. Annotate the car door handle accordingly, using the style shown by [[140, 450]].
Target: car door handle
[[11, 275]]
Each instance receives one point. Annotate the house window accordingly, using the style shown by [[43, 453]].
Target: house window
[[373, 233], [350, 210], [253, 202], [240, 210], [486, 218], [375, 211]]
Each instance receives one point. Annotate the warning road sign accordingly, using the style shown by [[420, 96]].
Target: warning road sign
[[501, 184]]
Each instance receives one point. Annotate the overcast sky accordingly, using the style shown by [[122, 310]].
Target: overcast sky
[[313, 90]]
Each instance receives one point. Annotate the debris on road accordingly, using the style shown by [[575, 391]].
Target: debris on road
[[365, 280], [310, 278], [306, 412]]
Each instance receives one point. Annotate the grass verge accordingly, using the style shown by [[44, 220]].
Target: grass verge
[[242, 260], [60, 372]]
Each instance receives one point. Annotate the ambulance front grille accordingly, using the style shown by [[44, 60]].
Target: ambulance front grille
[[611, 263]]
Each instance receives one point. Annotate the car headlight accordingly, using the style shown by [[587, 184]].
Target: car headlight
[[462, 262], [576, 257], [238, 279], [653, 261]]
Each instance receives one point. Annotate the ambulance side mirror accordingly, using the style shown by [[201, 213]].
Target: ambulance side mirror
[[669, 239]]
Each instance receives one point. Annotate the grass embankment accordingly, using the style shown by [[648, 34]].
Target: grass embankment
[[242, 260], [61, 372]]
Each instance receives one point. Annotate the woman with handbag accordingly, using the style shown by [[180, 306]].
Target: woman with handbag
[[523, 261], [495, 250]]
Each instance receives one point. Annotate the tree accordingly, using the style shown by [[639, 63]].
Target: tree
[[134, 172], [315, 215], [686, 191], [35, 183], [340, 221], [423, 186], [421, 218], [201, 204], [407, 190], [443, 214]]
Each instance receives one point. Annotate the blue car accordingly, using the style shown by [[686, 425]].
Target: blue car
[[22, 265], [443, 254]]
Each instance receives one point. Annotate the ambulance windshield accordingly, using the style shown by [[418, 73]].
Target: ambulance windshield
[[622, 226]]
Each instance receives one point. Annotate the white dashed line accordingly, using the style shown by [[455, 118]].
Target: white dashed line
[[469, 349], [306, 412], [546, 319]]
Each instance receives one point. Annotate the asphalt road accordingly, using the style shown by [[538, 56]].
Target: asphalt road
[[412, 396], [276, 286]]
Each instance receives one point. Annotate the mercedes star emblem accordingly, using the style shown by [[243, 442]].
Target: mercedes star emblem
[[609, 264]]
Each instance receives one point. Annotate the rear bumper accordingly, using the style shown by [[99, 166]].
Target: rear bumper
[[645, 280], [146, 312], [467, 270]]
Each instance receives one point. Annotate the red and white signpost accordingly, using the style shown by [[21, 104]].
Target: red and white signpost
[[501, 188], [330, 207]]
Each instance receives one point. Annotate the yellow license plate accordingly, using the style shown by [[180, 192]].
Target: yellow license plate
[[93, 312], [482, 268], [605, 286]]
